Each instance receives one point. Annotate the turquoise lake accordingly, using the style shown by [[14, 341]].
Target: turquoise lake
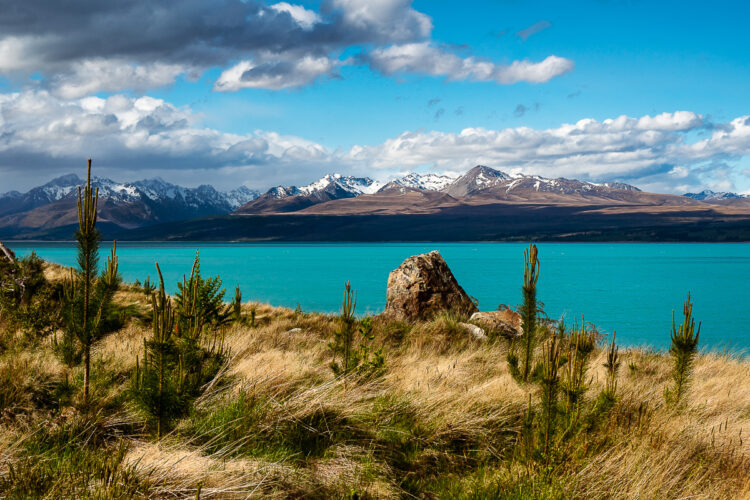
[[629, 288]]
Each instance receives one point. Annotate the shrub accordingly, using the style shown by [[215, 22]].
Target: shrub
[[28, 302]]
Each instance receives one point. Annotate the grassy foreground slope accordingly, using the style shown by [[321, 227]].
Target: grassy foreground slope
[[442, 419]]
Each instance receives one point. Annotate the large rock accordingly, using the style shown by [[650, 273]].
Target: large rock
[[422, 286], [504, 322]]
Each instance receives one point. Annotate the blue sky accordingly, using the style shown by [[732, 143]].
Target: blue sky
[[378, 88]]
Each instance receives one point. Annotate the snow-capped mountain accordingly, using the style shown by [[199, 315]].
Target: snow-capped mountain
[[486, 181], [328, 183], [426, 182], [327, 188], [708, 195], [127, 204], [480, 181], [477, 179]]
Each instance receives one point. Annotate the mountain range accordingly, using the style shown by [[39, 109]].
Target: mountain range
[[480, 204], [126, 205], [420, 193]]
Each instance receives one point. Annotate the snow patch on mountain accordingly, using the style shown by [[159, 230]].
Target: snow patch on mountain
[[708, 195], [427, 182], [354, 186]]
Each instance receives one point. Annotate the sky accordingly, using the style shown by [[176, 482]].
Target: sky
[[247, 92]]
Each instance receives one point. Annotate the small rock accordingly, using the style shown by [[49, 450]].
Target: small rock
[[504, 322], [475, 331], [422, 286], [294, 331]]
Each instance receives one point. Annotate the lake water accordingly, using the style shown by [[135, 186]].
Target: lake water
[[630, 288]]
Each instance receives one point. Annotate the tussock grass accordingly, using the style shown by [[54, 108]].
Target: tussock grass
[[441, 421]]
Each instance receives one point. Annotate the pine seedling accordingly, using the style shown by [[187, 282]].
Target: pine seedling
[[154, 384], [529, 314], [529, 309], [200, 308], [237, 305], [683, 350], [612, 365], [148, 287], [581, 344], [192, 317], [88, 297], [606, 398], [253, 313], [201, 300], [527, 431], [344, 336], [372, 360], [550, 382]]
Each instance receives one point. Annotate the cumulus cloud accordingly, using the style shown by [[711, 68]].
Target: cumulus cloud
[[277, 74], [131, 137], [304, 17], [386, 21], [426, 58], [99, 75], [42, 135], [650, 151], [89, 46]]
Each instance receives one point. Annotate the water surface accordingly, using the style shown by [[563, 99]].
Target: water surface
[[628, 287]]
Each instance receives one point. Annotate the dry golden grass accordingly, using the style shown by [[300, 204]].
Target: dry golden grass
[[448, 395]]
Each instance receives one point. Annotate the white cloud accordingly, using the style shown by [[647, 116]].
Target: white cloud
[[43, 134], [91, 76], [425, 58], [388, 20], [276, 74], [304, 17], [649, 151]]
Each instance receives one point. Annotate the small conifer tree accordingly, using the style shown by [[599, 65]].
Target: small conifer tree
[[237, 305], [344, 336], [550, 384], [529, 315], [612, 365], [87, 297], [581, 343], [177, 360], [156, 381], [683, 350], [200, 301]]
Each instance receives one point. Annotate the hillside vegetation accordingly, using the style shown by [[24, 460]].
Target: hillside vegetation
[[443, 417], [113, 390]]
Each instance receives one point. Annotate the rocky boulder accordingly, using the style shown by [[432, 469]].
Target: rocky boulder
[[422, 286], [505, 322]]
